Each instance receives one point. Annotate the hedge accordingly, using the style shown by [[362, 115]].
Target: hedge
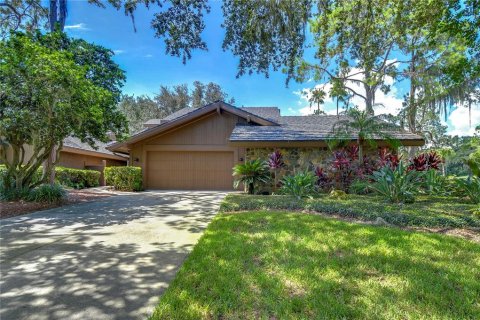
[[74, 178], [428, 211], [124, 178], [77, 178]]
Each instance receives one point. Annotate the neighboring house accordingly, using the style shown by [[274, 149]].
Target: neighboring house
[[196, 148], [79, 155]]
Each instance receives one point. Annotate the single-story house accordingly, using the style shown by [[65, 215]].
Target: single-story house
[[80, 155], [196, 148]]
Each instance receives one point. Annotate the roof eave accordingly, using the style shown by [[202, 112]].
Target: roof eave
[[121, 146], [92, 153]]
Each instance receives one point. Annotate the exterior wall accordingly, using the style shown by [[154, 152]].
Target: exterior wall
[[296, 159], [299, 159], [81, 161], [208, 133]]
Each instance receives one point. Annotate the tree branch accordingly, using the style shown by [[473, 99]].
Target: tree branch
[[356, 93]]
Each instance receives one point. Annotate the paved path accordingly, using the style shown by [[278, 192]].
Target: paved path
[[109, 259]]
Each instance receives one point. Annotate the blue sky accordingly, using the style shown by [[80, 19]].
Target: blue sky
[[147, 66], [143, 57]]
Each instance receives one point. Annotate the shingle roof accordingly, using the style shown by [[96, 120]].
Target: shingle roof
[[301, 128], [76, 143], [269, 113], [289, 128], [179, 113]]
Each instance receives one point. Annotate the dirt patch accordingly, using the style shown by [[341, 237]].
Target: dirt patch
[[10, 209]]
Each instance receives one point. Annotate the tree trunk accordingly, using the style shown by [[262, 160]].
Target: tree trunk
[[412, 105], [52, 159], [369, 95], [369, 100], [58, 14], [360, 151], [250, 188]]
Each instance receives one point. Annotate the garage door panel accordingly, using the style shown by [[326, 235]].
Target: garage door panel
[[189, 170]]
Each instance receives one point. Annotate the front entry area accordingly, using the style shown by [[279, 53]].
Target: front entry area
[[190, 170]]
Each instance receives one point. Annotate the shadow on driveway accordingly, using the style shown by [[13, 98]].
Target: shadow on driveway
[[109, 259]]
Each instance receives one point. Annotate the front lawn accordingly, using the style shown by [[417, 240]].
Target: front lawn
[[280, 265], [427, 211]]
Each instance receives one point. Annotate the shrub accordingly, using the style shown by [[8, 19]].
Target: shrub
[[47, 193], [12, 194], [124, 178], [396, 185], [324, 181], [77, 178], [251, 173], [300, 185], [426, 161], [275, 162], [359, 186], [429, 211], [435, 183], [469, 188]]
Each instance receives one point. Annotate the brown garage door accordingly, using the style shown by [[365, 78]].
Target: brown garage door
[[189, 170]]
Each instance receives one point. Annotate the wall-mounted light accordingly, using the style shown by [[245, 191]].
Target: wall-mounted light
[[136, 160], [241, 159]]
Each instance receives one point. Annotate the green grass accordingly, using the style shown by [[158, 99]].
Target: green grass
[[278, 265], [427, 211]]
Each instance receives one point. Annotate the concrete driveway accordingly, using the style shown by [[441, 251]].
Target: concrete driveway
[[109, 259]]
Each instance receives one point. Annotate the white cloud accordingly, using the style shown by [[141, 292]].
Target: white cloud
[[461, 123], [148, 56], [384, 103], [79, 26], [118, 51]]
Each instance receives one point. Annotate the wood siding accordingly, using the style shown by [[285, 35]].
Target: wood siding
[[190, 170], [199, 148]]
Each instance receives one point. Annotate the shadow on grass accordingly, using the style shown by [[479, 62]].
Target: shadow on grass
[[278, 265]]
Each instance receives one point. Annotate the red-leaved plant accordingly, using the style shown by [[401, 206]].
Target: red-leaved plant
[[275, 162], [425, 161], [386, 158], [324, 181]]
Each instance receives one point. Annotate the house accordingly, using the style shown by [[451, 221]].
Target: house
[[80, 155], [196, 148]]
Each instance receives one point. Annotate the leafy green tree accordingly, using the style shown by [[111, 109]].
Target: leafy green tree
[[365, 129], [46, 95], [180, 23], [358, 44], [441, 64], [204, 94], [171, 100], [138, 110]]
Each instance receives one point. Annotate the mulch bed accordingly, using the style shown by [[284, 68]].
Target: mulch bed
[[15, 208]]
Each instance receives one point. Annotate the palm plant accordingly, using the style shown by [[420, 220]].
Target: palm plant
[[251, 173], [317, 97], [367, 129]]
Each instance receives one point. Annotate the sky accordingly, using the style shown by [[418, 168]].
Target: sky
[[147, 67]]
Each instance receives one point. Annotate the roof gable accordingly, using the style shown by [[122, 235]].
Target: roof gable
[[186, 115]]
